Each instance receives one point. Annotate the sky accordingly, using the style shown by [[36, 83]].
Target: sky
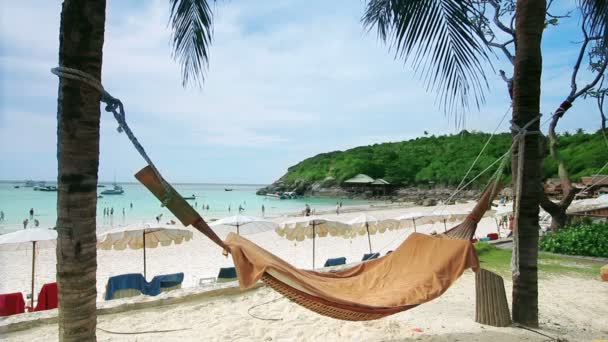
[[287, 80]]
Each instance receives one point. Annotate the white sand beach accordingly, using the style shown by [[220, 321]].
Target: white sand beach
[[200, 258], [570, 307]]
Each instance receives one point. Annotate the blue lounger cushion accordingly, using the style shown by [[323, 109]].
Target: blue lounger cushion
[[227, 273], [166, 280], [370, 256], [128, 281], [137, 281], [335, 262]]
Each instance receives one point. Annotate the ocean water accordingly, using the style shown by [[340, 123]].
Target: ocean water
[[16, 203]]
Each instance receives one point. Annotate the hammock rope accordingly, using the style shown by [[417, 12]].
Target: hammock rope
[[325, 305], [114, 106]]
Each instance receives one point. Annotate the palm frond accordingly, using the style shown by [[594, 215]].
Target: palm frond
[[440, 41], [596, 12], [191, 21]]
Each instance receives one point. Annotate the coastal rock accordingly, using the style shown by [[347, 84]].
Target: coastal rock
[[429, 202]]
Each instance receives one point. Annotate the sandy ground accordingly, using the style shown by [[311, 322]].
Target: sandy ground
[[200, 258], [570, 308], [576, 309]]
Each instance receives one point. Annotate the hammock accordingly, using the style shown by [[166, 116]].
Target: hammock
[[419, 270]]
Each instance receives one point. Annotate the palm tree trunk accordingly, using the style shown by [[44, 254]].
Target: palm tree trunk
[[526, 106], [81, 39]]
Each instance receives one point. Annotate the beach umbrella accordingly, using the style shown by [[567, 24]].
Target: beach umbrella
[[244, 224], [369, 224], [312, 227], [26, 239], [407, 217], [142, 236]]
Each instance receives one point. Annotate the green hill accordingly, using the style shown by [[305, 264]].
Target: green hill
[[442, 159]]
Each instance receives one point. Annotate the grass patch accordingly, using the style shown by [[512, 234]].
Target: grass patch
[[498, 260]]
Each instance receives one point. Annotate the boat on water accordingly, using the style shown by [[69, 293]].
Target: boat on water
[[46, 188], [32, 184], [16, 187], [190, 198], [116, 190], [101, 186], [228, 189]]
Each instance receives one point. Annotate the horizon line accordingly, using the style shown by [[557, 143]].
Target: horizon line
[[19, 181]]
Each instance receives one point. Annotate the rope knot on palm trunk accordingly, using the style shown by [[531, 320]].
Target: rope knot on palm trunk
[[523, 131], [114, 106]]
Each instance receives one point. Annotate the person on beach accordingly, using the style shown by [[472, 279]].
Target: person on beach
[[25, 222], [240, 208], [307, 210], [158, 217], [31, 213], [207, 206], [131, 205], [510, 226], [123, 212], [1, 216], [340, 204], [112, 211], [36, 223], [228, 208], [263, 210], [337, 209]]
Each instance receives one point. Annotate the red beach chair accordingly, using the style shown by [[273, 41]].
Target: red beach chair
[[11, 304], [493, 236], [47, 299]]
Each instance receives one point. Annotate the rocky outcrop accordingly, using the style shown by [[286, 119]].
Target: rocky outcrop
[[330, 188]]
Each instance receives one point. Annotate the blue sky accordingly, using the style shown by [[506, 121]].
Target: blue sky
[[287, 80]]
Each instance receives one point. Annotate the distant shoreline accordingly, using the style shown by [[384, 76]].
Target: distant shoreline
[[20, 182]]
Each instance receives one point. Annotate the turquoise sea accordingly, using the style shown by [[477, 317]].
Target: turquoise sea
[[16, 203]]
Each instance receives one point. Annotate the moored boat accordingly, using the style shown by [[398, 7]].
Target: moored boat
[[116, 190]]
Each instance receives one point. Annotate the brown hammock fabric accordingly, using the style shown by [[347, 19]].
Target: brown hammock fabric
[[421, 269]]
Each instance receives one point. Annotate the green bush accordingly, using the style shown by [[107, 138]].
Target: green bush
[[588, 239]]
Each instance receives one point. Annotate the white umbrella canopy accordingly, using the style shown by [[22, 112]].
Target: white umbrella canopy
[[312, 227], [23, 239], [132, 237], [410, 219], [29, 239], [368, 224], [142, 236], [244, 224], [303, 228]]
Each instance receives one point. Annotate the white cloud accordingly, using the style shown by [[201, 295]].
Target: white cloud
[[288, 78]]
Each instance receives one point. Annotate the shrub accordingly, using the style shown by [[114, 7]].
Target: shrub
[[588, 239]]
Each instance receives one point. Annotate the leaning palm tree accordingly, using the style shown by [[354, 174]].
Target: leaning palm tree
[[81, 37], [438, 36]]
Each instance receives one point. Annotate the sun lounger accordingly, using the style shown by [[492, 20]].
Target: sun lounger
[[47, 298], [226, 274], [370, 256], [165, 283], [335, 262], [125, 285], [11, 304]]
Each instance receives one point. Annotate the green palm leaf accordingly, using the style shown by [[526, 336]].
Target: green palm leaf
[[191, 21], [439, 40], [597, 23]]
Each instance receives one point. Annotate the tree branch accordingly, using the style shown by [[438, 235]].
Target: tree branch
[[594, 82], [496, 18]]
